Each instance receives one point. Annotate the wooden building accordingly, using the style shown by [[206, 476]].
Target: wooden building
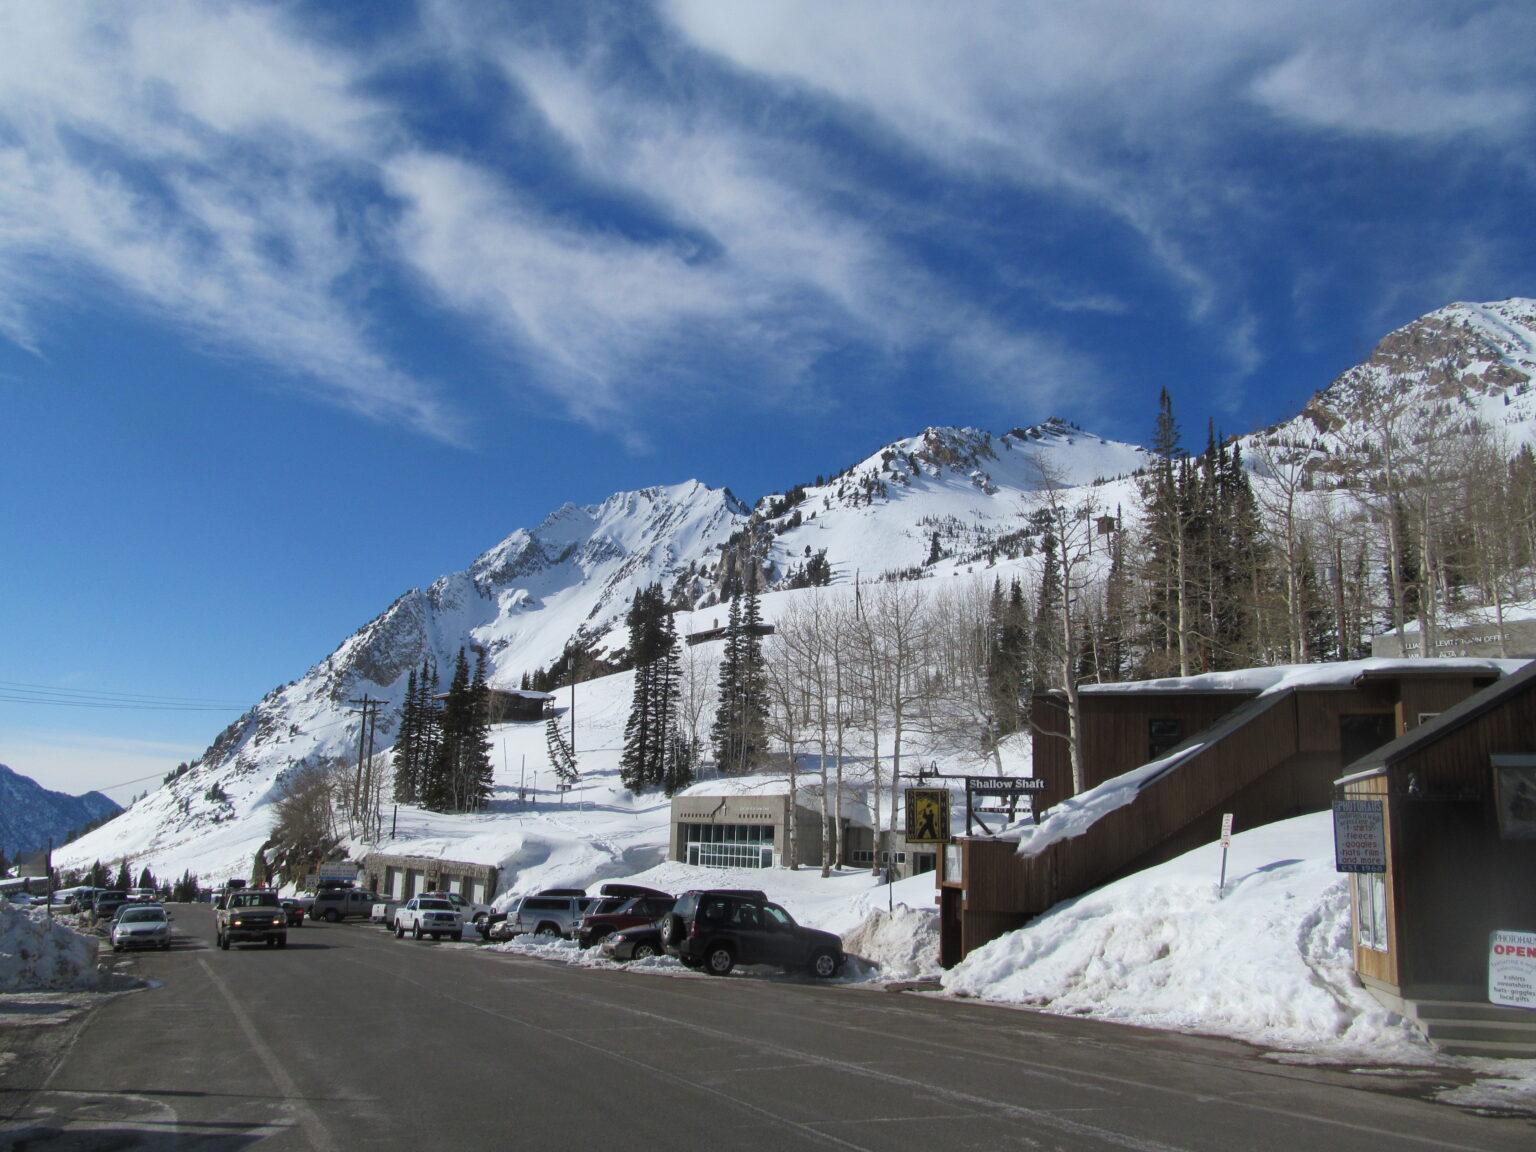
[[508, 705], [1265, 757], [1458, 813]]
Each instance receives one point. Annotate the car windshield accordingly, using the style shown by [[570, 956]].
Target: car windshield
[[144, 915], [254, 900]]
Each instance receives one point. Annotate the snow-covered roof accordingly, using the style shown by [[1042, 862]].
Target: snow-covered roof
[[1282, 677]]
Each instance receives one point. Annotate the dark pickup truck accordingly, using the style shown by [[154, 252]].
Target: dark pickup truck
[[248, 915]]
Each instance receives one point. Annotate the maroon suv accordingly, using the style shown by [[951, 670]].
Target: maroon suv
[[621, 906]]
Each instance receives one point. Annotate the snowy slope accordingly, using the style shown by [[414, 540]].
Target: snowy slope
[[1269, 961]]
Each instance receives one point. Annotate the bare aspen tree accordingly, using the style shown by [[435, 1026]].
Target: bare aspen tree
[[1280, 499], [896, 616], [788, 710], [1072, 516], [958, 709]]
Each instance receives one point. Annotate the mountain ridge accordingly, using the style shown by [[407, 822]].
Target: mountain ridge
[[944, 501]]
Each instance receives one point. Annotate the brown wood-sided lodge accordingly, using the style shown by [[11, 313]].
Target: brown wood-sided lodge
[[1458, 799], [1263, 757]]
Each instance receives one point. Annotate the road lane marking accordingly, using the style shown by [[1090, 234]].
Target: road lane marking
[[320, 1137]]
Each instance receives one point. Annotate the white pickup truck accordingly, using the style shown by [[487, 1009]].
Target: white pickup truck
[[432, 916], [472, 913]]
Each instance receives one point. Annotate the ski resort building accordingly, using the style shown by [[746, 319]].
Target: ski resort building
[[1166, 759], [1455, 817], [401, 877], [715, 826]]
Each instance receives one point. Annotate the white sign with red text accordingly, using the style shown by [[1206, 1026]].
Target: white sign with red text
[[1512, 969]]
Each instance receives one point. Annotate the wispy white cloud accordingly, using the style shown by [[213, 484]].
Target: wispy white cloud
[[1138, 109], [188, 157]]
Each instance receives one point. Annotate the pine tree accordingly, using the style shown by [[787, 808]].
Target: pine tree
[[741, 719], [652, 723], [408, 743], [477, 771], [561, 758], [124, 879]]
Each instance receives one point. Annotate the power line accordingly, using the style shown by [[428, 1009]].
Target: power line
[[19, 692]]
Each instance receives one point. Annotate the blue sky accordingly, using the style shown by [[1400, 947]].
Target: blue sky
[[302, 305]]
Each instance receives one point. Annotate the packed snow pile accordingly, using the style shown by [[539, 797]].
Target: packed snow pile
[[1270, 962], [902, 943], [37, 954]]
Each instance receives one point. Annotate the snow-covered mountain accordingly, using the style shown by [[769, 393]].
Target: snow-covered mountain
[[31, 815], [943, 502], [1461, 361]]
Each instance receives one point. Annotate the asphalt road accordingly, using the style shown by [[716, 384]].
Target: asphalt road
[[351, 1039]]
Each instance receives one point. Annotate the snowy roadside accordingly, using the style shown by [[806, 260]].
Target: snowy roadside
[[1268, 961]]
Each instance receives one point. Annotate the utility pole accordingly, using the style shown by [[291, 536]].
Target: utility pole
[[369, 708]]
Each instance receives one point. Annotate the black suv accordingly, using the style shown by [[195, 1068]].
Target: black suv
[[718, 929]]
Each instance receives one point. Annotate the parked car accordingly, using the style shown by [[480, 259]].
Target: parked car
[[554, 912], [621, 906], [638, 943], [294, 911], [21, 899], [720, 928], [432, 916], [105, 907], [142, 926], [251, 914], [476, 914], [335, 904]]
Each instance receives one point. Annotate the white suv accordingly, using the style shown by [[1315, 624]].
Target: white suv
[[430, 916]]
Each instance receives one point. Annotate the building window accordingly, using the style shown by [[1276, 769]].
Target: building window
[[1370, 910], [1163, 734], [728, 845], [867, 856]]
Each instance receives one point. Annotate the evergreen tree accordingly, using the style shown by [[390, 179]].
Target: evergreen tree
[[741, 719], [459, 774], [653, 709], [124, 877], [478, 771], [147, 879], [408, 743], [561, 757]]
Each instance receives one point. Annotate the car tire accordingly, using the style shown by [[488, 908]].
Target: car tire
[[719, 960], [399, 931], [671, 929], [416, 932], [547, 930], [332, 916], [824, 964], [479, 922], [224, 942], [643, 952]]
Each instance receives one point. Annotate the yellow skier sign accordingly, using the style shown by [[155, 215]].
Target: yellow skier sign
[[927, 816]]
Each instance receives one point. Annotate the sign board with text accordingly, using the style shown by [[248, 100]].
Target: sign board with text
[[1359, 836], [1512, 969]]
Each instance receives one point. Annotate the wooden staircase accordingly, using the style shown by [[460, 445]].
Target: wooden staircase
[[1474, 1028]]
